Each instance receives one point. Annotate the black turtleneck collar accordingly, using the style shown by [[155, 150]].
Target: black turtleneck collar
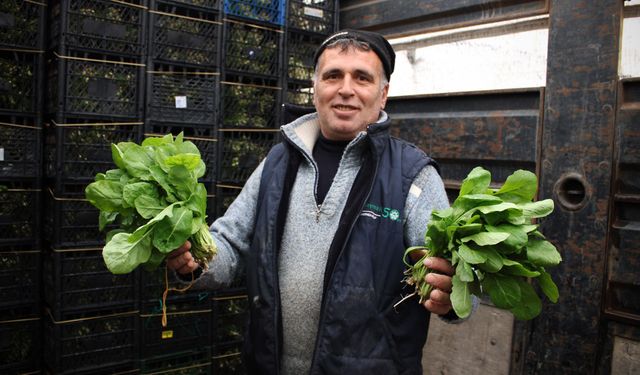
[[327, 154]]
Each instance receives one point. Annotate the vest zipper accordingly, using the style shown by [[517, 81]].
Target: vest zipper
[[315, 177], [323, 307], [275, 271]]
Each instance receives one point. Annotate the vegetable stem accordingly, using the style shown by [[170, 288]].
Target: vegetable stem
[[416, 273], [203, 248]]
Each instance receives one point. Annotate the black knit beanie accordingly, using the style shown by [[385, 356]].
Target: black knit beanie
[[376, 41]]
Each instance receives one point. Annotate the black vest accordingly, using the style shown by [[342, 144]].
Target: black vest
[[359, 331]]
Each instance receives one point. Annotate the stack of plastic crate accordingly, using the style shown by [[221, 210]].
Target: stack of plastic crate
[[250, 90], [309, 22], [95, 89], [182, 96], [175, 326], [183, 75], [21, 72], [229, 309]]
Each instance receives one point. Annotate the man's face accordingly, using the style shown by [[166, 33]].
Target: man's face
[[347, 92]]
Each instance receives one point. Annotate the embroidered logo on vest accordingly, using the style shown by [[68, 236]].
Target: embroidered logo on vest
[[375, 211]]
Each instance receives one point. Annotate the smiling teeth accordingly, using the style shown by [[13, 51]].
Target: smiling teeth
[[344, 107]]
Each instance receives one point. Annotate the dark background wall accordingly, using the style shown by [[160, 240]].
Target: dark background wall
[[579, 133]]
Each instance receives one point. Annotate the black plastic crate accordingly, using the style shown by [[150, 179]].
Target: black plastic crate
[[71, 221], [196, 361], [182, 95], [225, 195], [20, 215], [185, 330], [268, 11], [316, 16], [20, 343], [79, 148], [86, 84], [179, 297], [300, 49], [184, 35], [20, 146], [249, 102], [299, 93], [113, 27], [19, 284], [241, 152], [252, 49], [78, 280], [122, 368], [227, 359], [207, 146], [22, 24], [91, 343], [206, 4], [158, 128], [229, 313], [19, 72]]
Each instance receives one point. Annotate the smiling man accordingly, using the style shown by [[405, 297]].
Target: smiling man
[[321, 226], [350, 90]]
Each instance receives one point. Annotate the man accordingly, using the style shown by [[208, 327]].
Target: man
[[321, 227]]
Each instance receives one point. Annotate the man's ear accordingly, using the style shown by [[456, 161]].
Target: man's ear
[[385, 92], [313, 98]]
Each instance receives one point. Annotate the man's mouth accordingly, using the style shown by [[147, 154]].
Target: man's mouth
[[343, 107]]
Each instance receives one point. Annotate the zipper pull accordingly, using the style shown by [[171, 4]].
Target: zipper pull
[[318, 209]]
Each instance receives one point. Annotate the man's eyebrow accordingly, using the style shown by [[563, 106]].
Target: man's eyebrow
[[331, 71], [360, 72], [365, 73]]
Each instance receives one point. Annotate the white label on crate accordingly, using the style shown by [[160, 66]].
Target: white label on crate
[[1, 153], [313, 12], [181, 102]]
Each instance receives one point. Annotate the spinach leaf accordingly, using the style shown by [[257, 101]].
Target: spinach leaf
[[106, 195], [123, 256], [154, 200], [173, 230], [461, 297], [495, 248]]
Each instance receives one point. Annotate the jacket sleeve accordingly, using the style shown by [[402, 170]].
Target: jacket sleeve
[[232, 234], [426, 194]]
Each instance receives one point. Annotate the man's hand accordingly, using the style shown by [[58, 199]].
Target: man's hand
[[181, 260], [439, 301]]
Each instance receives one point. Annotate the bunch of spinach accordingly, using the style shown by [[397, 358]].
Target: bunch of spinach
[[155, 201], [488, 236]]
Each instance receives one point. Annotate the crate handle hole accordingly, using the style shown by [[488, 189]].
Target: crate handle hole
[[571, 191]]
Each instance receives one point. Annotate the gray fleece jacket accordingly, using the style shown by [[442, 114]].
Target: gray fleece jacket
[[308, 234]]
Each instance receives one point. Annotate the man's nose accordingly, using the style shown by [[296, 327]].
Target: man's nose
[[346, 88]]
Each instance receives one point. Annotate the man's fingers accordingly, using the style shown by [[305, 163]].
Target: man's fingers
[[416, 255], [442, 282], [440, 297], [440, 265], [439, 302], [437, 308], [181, 260], [179, 251], [188, 267]]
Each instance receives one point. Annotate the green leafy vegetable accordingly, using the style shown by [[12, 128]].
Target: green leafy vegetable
[[155, 201], [489, 237]]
